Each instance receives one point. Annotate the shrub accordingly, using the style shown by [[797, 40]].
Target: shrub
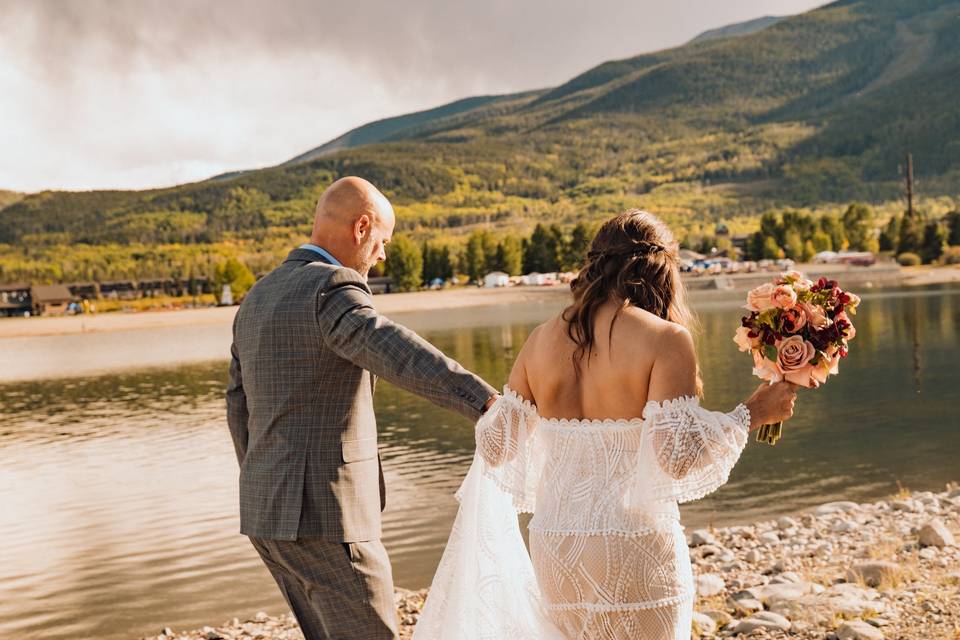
[[951, 256], [907, 259]]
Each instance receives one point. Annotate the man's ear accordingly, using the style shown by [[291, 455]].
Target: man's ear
[[361, 229]]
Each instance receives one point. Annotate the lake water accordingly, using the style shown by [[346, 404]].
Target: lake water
[[118, 492]]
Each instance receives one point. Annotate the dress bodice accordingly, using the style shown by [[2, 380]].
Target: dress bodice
[[618, 476]]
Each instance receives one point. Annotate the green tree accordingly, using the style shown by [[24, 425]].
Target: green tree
[[808, 251], [575, 251], [858, 227], [510, 255], [911, 234], [771, 250], [934, 237], [437, 262], [952, 220], [890, 236], [474, 258], [404, 263], [833, 227], [821, 241], [237, 275], [540, 251], [794, 245]]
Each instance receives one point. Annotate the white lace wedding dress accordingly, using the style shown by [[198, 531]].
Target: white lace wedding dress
[[608, 557]]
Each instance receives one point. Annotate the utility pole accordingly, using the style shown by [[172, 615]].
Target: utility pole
[[909, 178]]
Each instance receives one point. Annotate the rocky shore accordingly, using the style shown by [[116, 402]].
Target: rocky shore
[[841, 571]]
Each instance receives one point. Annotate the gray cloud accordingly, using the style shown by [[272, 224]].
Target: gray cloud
[[161, 91]]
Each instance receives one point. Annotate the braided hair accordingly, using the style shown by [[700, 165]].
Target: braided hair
[[633, 261]]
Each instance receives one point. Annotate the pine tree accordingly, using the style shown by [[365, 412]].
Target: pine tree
[[857, 226], [934, 237]]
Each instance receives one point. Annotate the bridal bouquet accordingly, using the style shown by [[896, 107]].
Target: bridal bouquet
[[798, 331]]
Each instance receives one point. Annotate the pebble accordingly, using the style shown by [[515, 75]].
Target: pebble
[[702, 537], [709, 584], [858, 630], [762, 620], [884, 569], [936, 534]]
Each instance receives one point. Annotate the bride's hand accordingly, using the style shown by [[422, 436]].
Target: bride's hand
[[771, 403]]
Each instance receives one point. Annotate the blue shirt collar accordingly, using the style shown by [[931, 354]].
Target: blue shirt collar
[[323, 252]]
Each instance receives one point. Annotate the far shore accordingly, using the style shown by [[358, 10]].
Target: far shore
[[701, 288]]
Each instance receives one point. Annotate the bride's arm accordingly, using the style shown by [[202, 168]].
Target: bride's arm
[[510, 420], [694, 449]]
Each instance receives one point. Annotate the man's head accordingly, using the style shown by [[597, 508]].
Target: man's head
[[354, 222]]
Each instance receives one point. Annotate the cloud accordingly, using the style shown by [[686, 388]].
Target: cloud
[[143, 93]]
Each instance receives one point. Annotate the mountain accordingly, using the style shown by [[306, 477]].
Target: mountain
[[738, 29], [812, 109], [9, 197]]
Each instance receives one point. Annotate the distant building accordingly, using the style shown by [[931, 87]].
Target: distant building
[[50, 299], [15, 299], [496, 279], [84, 290], [119, 290]]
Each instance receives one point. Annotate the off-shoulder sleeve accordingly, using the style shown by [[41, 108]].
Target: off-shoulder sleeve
[[688, 451], [506, 441]]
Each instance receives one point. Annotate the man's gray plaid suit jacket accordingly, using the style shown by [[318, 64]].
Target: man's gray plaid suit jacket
[[306, 340]]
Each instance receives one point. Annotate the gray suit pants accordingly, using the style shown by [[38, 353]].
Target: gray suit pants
[[336, 590]]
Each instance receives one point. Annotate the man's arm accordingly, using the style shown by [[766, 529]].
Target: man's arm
[[237, 414], [353, 329]]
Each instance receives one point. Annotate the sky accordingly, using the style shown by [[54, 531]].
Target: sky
[[132, 94]]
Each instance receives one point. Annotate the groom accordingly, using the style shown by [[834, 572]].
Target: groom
[[307, 349]]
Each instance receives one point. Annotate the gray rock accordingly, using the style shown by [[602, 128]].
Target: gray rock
[[722, 618], [836, 507], [703, 623], [875, 573], [858, 630], [762, 620], [843, 526], [770, 537], [788, 591], [744, 606], [701, 537], [786, 522], [753, 556], [936, 534], [709, 584]]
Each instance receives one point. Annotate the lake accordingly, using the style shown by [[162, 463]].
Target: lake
[[119, 491]]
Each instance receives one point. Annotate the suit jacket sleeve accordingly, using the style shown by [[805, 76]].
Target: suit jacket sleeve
[[353, 329], [237, 413]]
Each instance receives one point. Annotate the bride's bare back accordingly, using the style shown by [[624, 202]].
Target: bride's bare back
[[644, 358]]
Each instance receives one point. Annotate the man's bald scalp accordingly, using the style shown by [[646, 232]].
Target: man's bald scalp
[[347, 199]]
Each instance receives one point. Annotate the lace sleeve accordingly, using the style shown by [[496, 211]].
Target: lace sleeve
[[505, 441], [688, 451]]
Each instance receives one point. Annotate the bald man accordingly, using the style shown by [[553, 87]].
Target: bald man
[[307, 348]]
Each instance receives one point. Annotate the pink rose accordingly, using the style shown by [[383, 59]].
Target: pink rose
[[784, 296], [766, 369], [760, 299], [802, 377], [816, 316], [794, 353], [744, 341], [793, 320]]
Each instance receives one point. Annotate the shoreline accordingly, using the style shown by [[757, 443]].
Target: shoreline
[[702, 288], [839, 571]]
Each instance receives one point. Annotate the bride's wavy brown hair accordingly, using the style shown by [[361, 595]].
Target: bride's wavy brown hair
[[633, 260]]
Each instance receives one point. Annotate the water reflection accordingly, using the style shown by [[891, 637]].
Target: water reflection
[[119, 491]]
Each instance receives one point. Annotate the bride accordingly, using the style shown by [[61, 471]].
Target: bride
[[599, 433]]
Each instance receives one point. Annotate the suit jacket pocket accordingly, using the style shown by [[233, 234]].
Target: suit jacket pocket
[[359, 450]]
